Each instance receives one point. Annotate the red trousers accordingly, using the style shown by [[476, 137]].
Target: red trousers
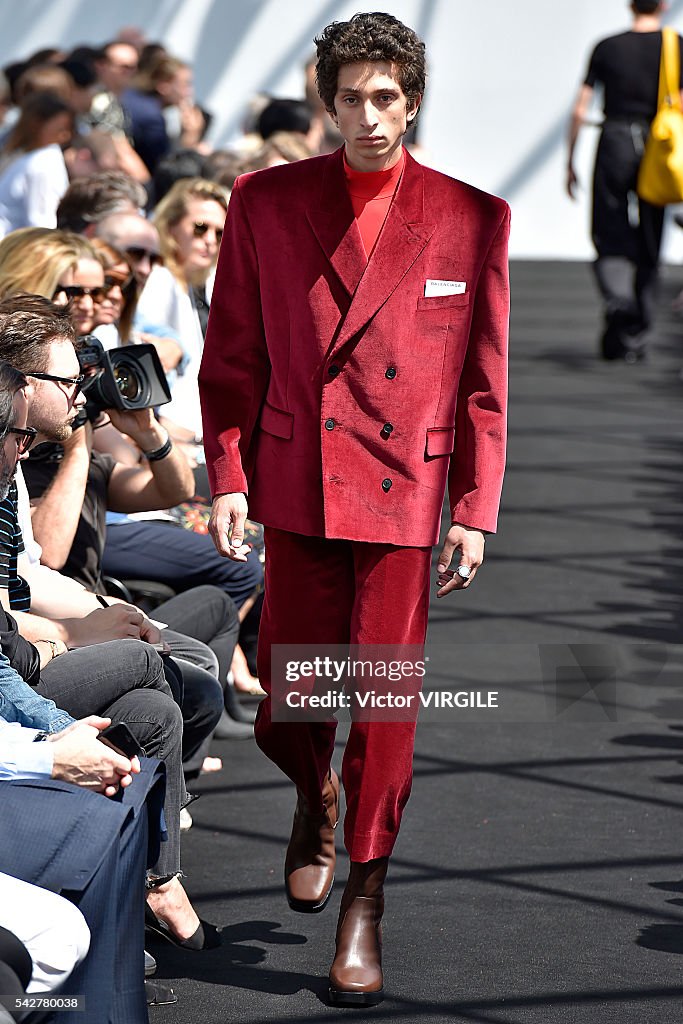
[[320, 591]]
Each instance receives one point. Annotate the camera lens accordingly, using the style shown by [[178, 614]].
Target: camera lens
[[128, 382]]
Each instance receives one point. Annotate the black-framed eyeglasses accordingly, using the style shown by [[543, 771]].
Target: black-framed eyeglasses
[[24, 436], [138, 253], [200, 228], [73, 382], [78, 291]]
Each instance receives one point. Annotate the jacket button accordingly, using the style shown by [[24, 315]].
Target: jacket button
[[386, 431], [390, 372], [330, 424], [386, 484], [334, 370]]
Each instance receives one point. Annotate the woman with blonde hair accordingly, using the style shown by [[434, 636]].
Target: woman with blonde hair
[[190, 220], [35, 260]]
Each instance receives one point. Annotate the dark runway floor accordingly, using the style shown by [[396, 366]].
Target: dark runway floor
[[538, 878]]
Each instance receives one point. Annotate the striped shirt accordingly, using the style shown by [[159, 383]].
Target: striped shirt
[[11, 546]]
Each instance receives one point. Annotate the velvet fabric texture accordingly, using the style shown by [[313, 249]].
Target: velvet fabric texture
[[334, 390], [322, 592]]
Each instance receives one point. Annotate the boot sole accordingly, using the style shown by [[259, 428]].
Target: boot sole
[[304, 907], [341, 998]]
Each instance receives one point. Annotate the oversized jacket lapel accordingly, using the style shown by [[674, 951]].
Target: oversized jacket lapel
[[404, 236], [332, 220]]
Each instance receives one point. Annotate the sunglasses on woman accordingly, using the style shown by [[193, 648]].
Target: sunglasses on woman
[[24, 436], [200, 228], [78, 291]]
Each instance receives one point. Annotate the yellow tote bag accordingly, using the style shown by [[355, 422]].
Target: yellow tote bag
[[660, 177]]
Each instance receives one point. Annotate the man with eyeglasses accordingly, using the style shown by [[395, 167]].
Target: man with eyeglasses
[[88, 658]]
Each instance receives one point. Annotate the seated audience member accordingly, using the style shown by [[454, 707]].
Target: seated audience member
[[117, 321], [33, 175], [60, 837], [36, 259], [115, 65], [138, 240], [89, 199], [115, 310], [204, 621], [190, 221], [124, 679], [180, 558], [166, 83]]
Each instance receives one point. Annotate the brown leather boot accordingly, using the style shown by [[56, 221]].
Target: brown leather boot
[[356, 973], [311, 857]]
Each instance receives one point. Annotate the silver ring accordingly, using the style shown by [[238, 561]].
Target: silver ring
[[464, 572]]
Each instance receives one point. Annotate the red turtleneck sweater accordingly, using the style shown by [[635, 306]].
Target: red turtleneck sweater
[[371, 194]]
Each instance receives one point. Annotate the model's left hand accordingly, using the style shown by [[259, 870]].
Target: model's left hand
[[463, 546]]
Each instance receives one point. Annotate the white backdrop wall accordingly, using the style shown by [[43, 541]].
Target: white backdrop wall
[[503, 74]]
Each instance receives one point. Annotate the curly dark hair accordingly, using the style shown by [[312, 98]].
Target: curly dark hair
[[370, 37]]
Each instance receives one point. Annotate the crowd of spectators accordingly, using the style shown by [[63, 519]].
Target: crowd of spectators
[[115, 609]]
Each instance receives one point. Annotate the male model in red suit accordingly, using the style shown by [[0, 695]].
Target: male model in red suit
[[355, 365]]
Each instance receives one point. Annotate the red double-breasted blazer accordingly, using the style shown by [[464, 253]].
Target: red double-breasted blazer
[[334, 391]]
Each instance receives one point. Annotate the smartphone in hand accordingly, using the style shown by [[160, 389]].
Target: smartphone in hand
[[121, 739]]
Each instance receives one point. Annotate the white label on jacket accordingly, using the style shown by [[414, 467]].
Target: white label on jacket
[[444, 288]]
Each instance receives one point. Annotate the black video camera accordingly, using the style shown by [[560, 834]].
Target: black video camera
[[130, 377]]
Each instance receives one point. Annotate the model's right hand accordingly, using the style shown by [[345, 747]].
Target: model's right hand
[[226, 526], [81, 759]]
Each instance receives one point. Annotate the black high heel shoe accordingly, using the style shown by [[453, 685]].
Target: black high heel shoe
[[206, 936]]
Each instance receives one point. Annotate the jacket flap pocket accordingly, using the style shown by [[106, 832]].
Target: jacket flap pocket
[[277, 422], [443, 301], [440, 440]]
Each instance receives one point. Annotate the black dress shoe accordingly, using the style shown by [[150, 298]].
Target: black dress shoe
[[206, 936]]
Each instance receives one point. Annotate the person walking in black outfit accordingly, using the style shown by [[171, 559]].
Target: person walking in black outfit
[[626, 231]]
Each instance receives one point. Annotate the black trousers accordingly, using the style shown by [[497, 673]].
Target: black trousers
[[627, 235]]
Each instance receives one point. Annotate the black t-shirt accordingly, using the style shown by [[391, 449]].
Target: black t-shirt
[[627, 67], [85, 558]]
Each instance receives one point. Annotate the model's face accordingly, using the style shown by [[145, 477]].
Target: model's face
[[372, 113], [54, 403], [10, 453], [197, 236]]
